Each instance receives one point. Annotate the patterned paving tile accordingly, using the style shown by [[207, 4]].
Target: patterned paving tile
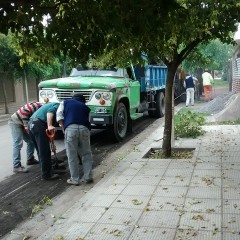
[[109, 232], [204, 192], [231, 222], [231, 193], [175, 181], [122, 216], [141, 190], [203, 205], [171, 191], [148, 233], [204, 221], [192, 234], [161, 219], [132, 202], [231, 206], [166, 203]]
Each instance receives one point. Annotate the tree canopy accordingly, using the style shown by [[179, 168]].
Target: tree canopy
[[166, 30], [160, 28], [215, 56], [81, 27], [9, 59]]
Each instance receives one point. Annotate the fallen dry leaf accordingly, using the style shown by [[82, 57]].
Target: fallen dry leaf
[[198, 217], [136, 202]]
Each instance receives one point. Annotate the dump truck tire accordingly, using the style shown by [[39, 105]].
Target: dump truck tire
[[120, 123]]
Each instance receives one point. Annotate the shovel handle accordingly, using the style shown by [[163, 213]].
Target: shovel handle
[[50, 134]]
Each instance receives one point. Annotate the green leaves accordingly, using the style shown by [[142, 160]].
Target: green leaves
[[40, 206], [188, 124], [9, 58], [215, 55], [80, 27]]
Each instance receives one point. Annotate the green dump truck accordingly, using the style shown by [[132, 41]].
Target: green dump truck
[[116, 97]]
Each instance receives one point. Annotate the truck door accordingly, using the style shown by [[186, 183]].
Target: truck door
[[134, 94], [134, 89]]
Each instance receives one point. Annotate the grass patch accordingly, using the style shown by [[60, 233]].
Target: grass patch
[[229, 122], [220, 83]]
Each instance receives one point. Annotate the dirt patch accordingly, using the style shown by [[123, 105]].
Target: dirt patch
[[179, 153]]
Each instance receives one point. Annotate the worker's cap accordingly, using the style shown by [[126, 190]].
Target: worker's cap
[[79, 96]]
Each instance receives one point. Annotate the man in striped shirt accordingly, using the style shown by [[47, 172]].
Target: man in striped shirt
[[19, 128]]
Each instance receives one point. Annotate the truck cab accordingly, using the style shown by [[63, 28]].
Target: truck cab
[[112, 96]]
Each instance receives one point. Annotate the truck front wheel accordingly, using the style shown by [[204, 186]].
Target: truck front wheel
[[120, 122]]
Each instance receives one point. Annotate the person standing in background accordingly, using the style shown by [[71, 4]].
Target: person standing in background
[[18, 123], [73, 117], [207, 85], [189, 85]]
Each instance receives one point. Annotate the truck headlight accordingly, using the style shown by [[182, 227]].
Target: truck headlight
[[98, 95], [106, 95], [50, 94], [43, 94]]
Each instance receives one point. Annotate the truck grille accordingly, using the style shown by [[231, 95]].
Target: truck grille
[[66, 94]]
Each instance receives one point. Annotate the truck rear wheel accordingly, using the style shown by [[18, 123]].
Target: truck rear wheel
[[120, 122], [160, 104], [157, 108]]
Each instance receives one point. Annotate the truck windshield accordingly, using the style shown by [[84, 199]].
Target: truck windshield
[[96, 72]]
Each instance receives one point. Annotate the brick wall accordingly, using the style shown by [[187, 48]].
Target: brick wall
[[236, 85], [236, 71]]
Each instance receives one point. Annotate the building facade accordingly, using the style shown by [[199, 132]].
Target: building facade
[[236, 63]]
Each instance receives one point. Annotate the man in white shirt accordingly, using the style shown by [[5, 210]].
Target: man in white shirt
[[207, 85]]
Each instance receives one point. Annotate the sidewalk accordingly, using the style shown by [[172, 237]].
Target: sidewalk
[[160, 199]]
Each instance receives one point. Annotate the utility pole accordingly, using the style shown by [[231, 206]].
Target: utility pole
[[26, 85]]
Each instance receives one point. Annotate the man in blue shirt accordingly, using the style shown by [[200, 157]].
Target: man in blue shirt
[[41, 120], [189, 85], [73, 117]]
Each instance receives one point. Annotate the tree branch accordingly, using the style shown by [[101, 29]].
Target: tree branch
[[184, 53]]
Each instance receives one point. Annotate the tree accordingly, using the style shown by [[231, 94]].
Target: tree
[[12, 67], [214, 55], [166, 30]]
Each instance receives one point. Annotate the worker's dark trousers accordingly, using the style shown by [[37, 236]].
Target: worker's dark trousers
[[37, 131]]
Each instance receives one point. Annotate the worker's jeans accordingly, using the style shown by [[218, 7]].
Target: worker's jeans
[[77, 143], [19, 135], [190, 96], [37, 131]]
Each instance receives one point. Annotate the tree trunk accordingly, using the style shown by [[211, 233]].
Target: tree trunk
[[199, 73], [167, 136], [37, 82], [4, 94], [26, 86]]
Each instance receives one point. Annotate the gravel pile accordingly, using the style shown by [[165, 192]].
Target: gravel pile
[[218, 104]]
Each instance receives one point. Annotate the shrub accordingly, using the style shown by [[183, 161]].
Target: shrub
[[188, 124]]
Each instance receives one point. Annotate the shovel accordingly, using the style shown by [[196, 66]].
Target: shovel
[[56, 162]]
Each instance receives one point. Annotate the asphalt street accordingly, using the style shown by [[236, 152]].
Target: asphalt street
[[6, 169]]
